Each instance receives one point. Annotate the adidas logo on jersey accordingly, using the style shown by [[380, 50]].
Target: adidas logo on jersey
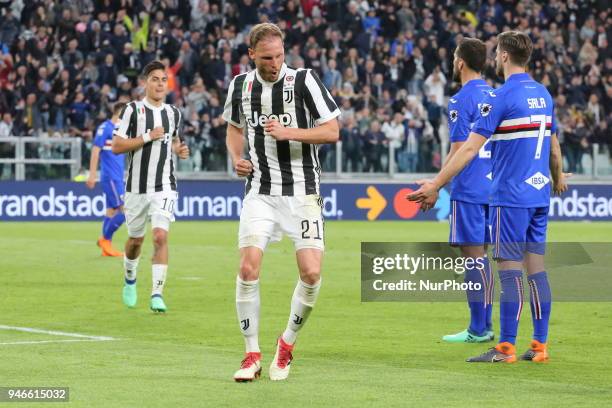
[[259, 119]]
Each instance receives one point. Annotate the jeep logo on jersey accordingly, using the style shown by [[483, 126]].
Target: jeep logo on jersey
[[485, 109], [259, 119]]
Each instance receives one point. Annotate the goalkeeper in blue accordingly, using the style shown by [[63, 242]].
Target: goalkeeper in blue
[[469, 222], [518, 119]]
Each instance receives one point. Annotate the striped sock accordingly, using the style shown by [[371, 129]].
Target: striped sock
[[511, 304], [541, 302]]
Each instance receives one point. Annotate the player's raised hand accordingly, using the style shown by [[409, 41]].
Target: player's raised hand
[[156, 133], [243, 167], [427, 191], [560, 186], [183, 151], [276, 130]]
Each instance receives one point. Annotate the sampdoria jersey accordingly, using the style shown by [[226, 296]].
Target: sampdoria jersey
[[111, 165], [518, 118], [473, 183], [297, 99]]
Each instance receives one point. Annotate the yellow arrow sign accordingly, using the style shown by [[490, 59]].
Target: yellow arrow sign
[[375, 202]]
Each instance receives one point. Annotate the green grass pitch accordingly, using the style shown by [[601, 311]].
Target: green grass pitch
[[349, 354]]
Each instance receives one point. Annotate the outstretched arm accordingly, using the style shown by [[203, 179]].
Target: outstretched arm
[[456, 163]]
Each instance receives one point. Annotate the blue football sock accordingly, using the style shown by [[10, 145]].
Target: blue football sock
[[105, 225], [540, 305], [490, 290], [511, 304], [476, 301], [114, 224]]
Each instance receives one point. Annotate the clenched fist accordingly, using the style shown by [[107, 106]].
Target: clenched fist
[[243, 167], [156, 133]]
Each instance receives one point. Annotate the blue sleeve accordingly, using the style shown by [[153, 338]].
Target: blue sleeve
[[100, 138], [458, 121], [490, 114], [553, 122]]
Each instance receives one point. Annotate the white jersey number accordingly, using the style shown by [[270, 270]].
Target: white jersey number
[[483, 153], [541, 119]]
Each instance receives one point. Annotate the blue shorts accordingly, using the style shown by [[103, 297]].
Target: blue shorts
[[113, 192], [518, 230], [469, 224]]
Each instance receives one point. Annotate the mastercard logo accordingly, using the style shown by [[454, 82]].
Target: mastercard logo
[[403, 208]]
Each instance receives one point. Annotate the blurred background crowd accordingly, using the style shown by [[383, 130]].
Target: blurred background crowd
[[388, 64]]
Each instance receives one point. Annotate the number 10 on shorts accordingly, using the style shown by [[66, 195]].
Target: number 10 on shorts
[[168, 205]]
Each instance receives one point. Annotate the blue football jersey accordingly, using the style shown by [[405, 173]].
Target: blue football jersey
[[519, 119], [111, 165], [473, 183]]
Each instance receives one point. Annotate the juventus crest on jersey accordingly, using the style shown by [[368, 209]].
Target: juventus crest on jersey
[[151, 168], [297, 99]]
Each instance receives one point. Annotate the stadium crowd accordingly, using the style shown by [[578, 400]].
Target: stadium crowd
[[388, 63]]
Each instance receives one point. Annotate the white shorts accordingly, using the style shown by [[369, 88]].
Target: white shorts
[[158, 207], [265, 218]]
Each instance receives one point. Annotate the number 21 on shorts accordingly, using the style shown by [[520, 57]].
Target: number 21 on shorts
[[312, 229]]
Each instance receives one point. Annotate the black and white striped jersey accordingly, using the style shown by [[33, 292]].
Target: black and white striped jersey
[[297, 99], [151, 168]]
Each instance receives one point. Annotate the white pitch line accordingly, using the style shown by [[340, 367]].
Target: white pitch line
[[56, 333], [46, 341]]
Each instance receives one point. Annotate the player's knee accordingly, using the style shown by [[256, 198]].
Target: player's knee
[[249, 270], [135, 242], [160, 238], [310, 274]]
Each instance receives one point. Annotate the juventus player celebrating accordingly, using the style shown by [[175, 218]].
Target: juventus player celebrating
[[287, 113], [149, 130]]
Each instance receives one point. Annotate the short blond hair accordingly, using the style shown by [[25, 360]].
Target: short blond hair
[[264, 30]]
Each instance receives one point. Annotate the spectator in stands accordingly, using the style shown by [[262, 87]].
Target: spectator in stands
[[377, 59], [374, 144], [394, 133]]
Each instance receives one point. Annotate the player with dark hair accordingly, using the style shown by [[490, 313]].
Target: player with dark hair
[[149, 130], [519, 120], [469, 221]]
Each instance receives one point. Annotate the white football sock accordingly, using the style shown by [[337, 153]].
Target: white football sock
[[131, 268], [247, 307], [159, 278], [302, 302]]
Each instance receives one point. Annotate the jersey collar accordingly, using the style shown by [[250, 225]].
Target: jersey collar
[[474, 82], [518, 77], [282, 73], [150, 106]]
